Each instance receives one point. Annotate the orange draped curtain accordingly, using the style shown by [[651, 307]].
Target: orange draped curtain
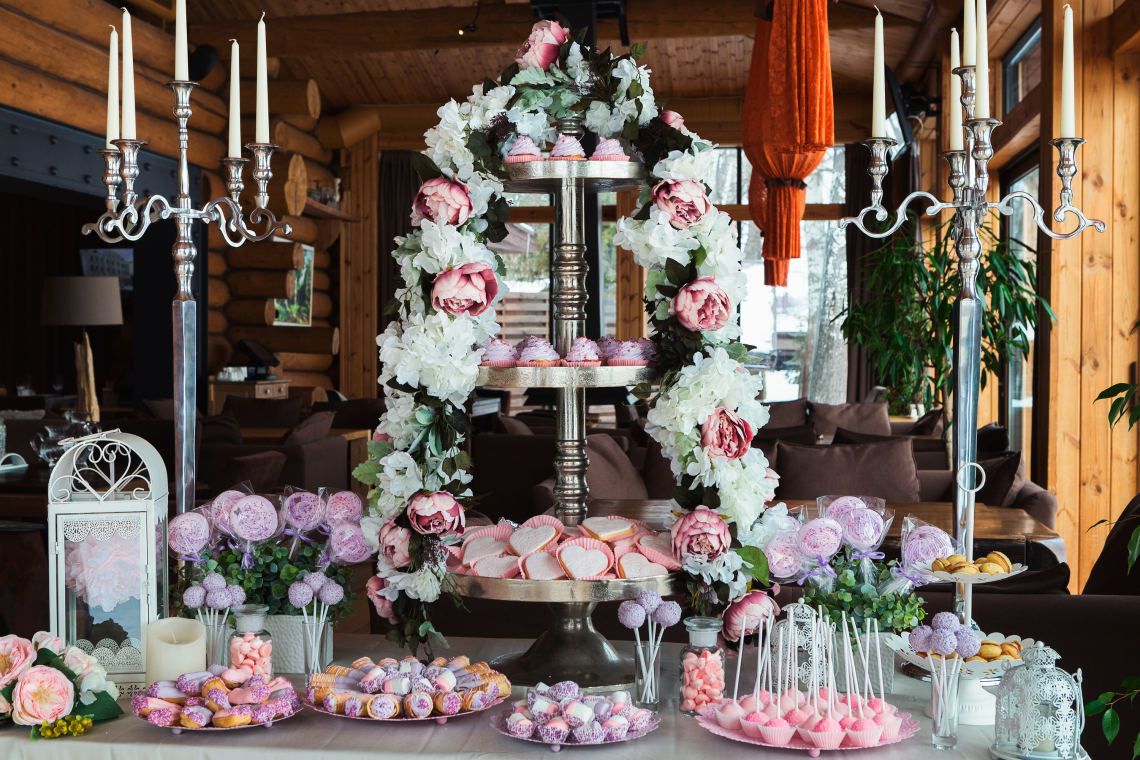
[[788, 124]]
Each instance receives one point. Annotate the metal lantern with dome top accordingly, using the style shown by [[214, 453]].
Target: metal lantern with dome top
[[1040, 710]]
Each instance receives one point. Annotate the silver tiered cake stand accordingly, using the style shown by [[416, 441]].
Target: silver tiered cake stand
[[571, 649]]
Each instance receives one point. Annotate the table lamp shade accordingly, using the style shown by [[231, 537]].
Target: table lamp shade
[[81, 301]]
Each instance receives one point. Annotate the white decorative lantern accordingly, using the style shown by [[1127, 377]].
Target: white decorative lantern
[[1040, 710], [796, 627], [107, 502]]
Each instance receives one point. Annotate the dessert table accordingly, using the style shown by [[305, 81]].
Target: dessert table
[[310, 735]]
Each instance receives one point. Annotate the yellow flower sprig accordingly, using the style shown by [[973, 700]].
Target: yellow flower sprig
[[70, 725]]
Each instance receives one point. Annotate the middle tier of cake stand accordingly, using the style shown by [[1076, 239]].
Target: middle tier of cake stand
[[571, 649]]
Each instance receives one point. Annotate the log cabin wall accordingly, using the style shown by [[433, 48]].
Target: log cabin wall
[[54, 65]]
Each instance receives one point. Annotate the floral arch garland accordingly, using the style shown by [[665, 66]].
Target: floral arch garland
[[704, 415]]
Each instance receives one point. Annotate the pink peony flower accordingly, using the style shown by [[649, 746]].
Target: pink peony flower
[[683, 200], [45, 640], [42, 693], [755, 606], [378, 436], [673, 119], [435, 513], [16, 656], [701, 305], [726, 434], [701, 531], [383, 606], [104, 572], [542, 47], [467, 289], [394, 545], [441, 201]]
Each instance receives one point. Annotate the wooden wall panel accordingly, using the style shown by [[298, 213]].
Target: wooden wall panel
[[359, 249]]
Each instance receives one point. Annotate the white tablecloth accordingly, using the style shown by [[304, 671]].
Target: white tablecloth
[[311, 735]]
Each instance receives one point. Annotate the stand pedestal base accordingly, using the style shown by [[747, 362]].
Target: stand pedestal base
[[570, 650]]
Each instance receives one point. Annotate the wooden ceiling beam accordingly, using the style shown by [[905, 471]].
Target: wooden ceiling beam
[[1125, 25]]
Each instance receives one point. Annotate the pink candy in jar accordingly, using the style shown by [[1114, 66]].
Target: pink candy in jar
[[251, 648], [702, 665]]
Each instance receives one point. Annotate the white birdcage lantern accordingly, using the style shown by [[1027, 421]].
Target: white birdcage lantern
[[1040, 710], [107, 506], [796, 630]]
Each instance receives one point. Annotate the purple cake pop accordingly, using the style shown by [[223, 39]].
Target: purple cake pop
[[631, 614], [236, 594], [969, 643], [331, 594], [945, 620], [218, 600], [188, 533], [214, 582], [943, 641], [650, 600], [304, 511], [348, 545], [300, 594], [315, 580], [919, 638], [669, 613], [253, 518], [344, 507], [194, 597]]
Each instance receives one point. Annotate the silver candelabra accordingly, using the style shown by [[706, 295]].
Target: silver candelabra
[[121, 168], [968, 180]]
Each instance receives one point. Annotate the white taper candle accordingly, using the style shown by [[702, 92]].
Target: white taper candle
[[879, 88], [1068, 85], [113, 90], [128, 80], [261, 133], [181, 53], [235, 103], [955, 104], [969, 34], [982, 100]]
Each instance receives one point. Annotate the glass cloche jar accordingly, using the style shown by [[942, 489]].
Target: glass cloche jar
[[702, 664], [251, 646]]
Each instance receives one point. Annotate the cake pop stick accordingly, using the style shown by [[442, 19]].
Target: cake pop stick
[[862, 658], [739, 657], [879, 659], [759, 659]]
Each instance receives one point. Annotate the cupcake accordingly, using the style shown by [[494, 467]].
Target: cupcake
[[583, 353], [554, 732], [590, 733], [567, 148], [629, 354], [648, 349], [528, 341], [522, 151], [609, 150], [540, 354], [499, 353], [607, 345]]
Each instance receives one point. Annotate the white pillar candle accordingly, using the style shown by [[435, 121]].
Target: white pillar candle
[[181, 54], [969, 38], [262, 123], [879, 89], [1068, 86], [982, 101], [235, 103], [113, 91], [955, 104], [128, 80], [174, 646]]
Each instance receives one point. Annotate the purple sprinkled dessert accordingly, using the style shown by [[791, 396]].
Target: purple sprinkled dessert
[[162, 717], [968, 642], [329, 703], [947, 620], [478, 701], [236, 594], [315, 580], [944, 641], [311, 695], [418, 705], [242, 710], [138, 702], [919, 638], [650, 600], [639, 720], [372, 685], [448, 703], [492, 692], [618, 732], [300, 594], [263, 714], [194, 597], [194, 702], [419, 683], [353, 707], [219, 698], [631, 614]]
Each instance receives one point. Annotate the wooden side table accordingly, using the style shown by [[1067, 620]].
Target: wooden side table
[[274, 389]]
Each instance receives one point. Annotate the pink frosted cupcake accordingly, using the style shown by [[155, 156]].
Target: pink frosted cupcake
[[523, 151], [499, 353], [530, 340], [567, 148], [629, 354], [607, 346], [583, 353], [609, 150], [540, 354]]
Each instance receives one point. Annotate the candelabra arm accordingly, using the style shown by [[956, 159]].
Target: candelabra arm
[[881, 214], [130, 223], [1006, 207], [216, 212]]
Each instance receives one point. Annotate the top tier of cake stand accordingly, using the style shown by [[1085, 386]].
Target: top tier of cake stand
[[547, 177]]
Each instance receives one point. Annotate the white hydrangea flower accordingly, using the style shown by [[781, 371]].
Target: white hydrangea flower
[[435, 352], [597, 119], [726, 569], [772, 523], [398, 480], [423, 584], [446, 247], [699, 166], [577, 68], [535, 124], [481, 190], [654, 241]]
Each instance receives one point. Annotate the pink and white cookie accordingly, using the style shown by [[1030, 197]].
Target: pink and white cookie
[[496, 567], [481, 547], [543, 567], [636, 565]]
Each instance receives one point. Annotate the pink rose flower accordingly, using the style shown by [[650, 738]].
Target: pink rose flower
[[383, 606], [673, 119], [467, 289], [45, 640], [42, 693], [16, 656], [435, 513], [394, 545], [683, 200], [755, 606], [726, 434], [441, 201], [542, 47], [701, 305], [701, 531]]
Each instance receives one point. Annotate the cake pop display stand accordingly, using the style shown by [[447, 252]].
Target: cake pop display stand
[[571, 649], [706, 719]]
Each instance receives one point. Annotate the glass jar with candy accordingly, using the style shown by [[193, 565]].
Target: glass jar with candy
[[702, 665], [251, 646]]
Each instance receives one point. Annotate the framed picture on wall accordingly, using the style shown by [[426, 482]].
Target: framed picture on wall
[[298, 310]]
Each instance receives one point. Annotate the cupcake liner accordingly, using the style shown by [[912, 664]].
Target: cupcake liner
[[588, 543], [804, 734], [522, 159], [726, 721], [609, 158], [594, 363], [501, 532], [521, 730], [551, 363], [498, 363], [777, 736], [542, 718], [552, 735], [827, 739], [628, 362], [640, 722], [661, 559], [891, 730], [539, 520], [751, 730], [621, 551], [616, 733], [865, 738], [589, 734], [567, 158]]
